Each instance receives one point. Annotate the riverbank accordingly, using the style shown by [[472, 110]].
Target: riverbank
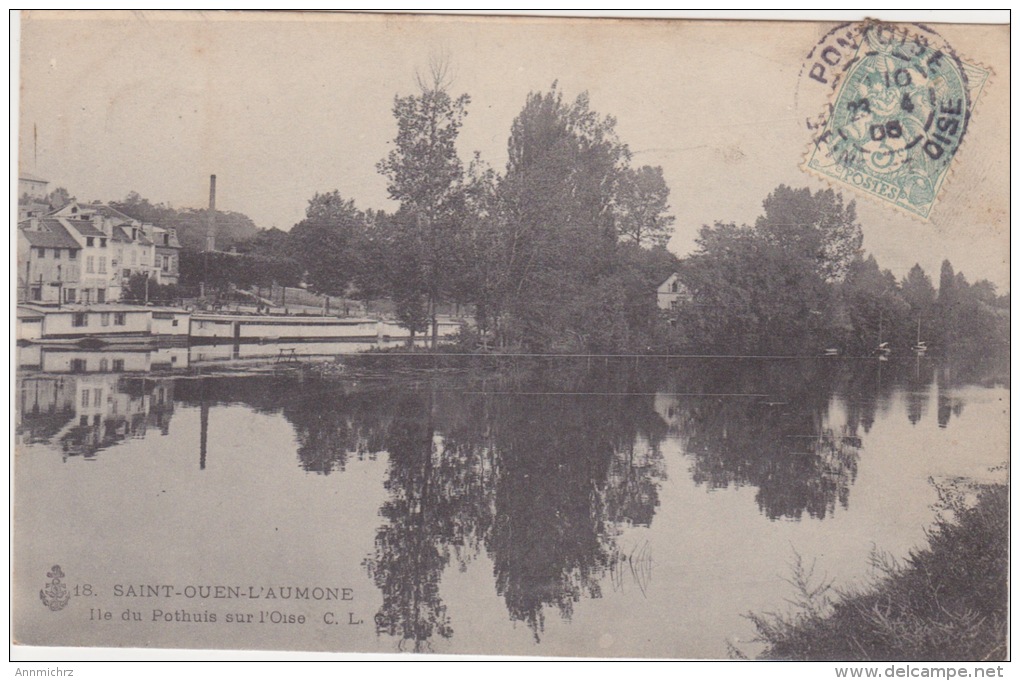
[[948, 601]]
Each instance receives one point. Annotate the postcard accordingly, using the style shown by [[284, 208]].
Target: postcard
[[514, 336]]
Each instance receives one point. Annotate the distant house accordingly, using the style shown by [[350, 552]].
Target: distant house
[[31, 186], [31, 196], [49, 261], [671, 293]]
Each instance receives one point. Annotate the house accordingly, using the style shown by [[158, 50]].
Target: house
[[49, 261], [671, 293], [137, 247], [32, 186], [32, 196], [99, 281], [167, 257]]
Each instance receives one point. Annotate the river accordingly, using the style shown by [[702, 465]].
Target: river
[[595, 507]]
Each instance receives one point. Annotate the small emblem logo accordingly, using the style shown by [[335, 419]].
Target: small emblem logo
[[55, 595]]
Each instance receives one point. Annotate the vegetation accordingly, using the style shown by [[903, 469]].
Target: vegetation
[[948, 601], [192, 224], [563, 249], [798, 282]]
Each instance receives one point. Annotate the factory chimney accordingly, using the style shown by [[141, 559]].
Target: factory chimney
[[210, 238]]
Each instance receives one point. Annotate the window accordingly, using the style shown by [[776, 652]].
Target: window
[[101, 295], [36, 293], [69, 293], [102, 243], [118, 365], [104, 319], [119, 318], [134, 257], [159, 261], [72, 254], [102, 264], [174, 323], [84, 393], [104, 365], [127, 274], [90, 241], [90, 264], [80, 319], [97, 397], [42, 252], [56, 253]]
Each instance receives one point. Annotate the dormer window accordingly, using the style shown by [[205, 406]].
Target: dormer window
[[90, 241], [102, 243]]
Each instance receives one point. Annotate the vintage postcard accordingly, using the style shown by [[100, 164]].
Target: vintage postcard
[[515, 336]]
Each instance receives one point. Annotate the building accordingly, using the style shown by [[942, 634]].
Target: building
[[671, 293], [31, 186], [137, 247], [49, 261], [98, 279], [167, 258], [32, 192]]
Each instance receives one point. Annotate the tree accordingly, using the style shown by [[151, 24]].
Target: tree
[[919, 294], [325, 242], [770, 288], [425, 175], [556, 225], [818, 226], [642, 205], [58, 198]]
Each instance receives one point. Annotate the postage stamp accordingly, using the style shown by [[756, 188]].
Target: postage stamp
[[898, 115]]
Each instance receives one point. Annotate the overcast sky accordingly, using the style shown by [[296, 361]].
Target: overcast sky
[[281, 107]]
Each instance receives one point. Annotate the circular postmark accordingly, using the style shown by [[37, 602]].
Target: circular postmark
[[898, 103]]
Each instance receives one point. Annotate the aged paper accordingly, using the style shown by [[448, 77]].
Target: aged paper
[[227, 492]]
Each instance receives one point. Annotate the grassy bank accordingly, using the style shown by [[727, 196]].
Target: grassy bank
[[948, 601]]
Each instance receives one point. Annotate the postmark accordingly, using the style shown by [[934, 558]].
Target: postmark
[[899, 110]]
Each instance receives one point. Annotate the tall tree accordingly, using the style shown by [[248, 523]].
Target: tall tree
[[819, 226], [642, 207], [325, 242], [425, 175], [556, 211]]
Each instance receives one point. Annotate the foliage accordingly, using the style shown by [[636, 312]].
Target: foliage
[[192, 224], [221, 270], [949, 601], [325, 242], [642, 205], [143, 288], [797, 283], [425, 175]]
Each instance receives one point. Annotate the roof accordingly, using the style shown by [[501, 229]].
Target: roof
[[118, 234], [85, 228], [51, 234], [106, 211], [31, 178]]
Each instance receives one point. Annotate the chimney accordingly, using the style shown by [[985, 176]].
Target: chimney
[[210, 239]]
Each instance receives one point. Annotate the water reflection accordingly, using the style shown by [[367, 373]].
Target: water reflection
[[540, 467]]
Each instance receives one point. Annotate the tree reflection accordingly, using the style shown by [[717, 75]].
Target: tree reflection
[[437, 509], [767, 425], [540, 465]]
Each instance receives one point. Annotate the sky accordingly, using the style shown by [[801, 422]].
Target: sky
[[285, 105]]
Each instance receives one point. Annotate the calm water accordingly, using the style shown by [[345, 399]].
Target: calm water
[[604, 507]]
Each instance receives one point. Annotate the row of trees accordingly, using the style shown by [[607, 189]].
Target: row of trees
[[798, 281], [560, 250], [564, 248]]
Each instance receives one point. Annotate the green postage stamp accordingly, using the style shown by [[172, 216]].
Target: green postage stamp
[[898, 115]]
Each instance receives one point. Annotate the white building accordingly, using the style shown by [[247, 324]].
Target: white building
[[671, 293]]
